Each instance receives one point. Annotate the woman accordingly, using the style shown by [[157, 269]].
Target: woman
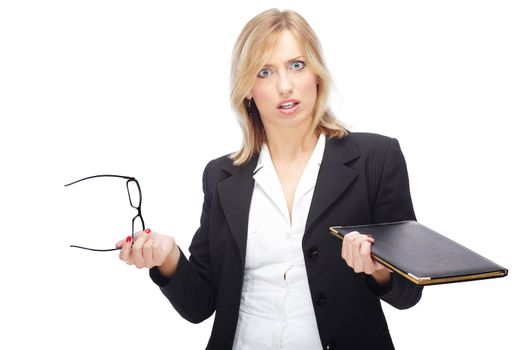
[[262, 259]]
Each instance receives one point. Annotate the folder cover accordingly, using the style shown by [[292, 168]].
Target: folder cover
[[422, 255]]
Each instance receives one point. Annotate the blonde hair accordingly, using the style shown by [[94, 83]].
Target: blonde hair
[[251, 51]]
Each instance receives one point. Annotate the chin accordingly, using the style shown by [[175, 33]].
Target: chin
[[293, 120]]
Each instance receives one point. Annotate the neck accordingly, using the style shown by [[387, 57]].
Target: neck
[[289, 144]]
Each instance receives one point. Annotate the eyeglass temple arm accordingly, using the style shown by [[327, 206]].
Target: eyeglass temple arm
[[93, 250], [94, 176]]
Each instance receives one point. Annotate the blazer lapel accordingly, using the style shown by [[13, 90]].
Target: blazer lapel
[[235, 192], [235, 195], [334, 176]]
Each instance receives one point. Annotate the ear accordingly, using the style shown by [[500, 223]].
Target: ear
[[249, 93]]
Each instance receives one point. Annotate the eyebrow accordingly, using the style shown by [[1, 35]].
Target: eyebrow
[[269, 65]]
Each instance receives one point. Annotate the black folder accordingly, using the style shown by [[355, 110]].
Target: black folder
[[422, 255]]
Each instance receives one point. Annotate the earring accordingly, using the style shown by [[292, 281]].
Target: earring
[[249, 108]]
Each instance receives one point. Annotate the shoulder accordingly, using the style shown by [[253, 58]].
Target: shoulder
[[219, 163], [363, 144], [217, 168], [366, 141], [213, 173]]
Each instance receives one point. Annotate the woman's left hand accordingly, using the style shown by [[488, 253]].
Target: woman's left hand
[[356, 252]]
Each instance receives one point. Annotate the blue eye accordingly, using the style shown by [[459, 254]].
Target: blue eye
[[297, 65], [263, 73]]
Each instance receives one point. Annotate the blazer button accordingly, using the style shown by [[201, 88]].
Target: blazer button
[[313, 253], [330, 346], [320, 299]]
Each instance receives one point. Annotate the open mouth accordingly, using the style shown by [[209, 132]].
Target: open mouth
[[288, 105]]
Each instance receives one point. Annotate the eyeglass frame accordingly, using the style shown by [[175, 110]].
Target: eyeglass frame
[[139, 209]]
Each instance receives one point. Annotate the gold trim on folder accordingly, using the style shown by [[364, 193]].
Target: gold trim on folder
[[423, 281]]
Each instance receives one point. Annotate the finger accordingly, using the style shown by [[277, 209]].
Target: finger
[[346, 251], [369, 265], [119, 244], [358, 265], [356, 252], [125, 251], [356, 241], [352, 252], [344, 254], [158, 254], [147, 252], [136, 250]]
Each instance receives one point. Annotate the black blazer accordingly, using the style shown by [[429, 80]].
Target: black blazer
[[362, 179]]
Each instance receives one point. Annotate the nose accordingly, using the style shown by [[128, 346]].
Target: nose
[[285, 85]]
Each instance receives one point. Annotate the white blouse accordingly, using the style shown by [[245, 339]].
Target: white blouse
[[276, 310]]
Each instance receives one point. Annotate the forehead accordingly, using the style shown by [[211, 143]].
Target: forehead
[[285, 47]]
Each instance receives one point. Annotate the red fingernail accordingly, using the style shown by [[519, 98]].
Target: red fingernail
[[128, 239], [148, 231]]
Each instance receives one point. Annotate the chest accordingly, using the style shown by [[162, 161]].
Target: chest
[[289, 176], [278, 213]]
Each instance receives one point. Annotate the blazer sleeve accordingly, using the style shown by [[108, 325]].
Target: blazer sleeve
[[191, 290], [394, 203]]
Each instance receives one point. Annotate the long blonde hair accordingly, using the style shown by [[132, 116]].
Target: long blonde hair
[[251, 51]]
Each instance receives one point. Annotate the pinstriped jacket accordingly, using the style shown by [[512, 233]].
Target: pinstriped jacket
[[362, 179]]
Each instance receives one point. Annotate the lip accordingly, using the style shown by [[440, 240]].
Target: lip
[[287, 101], [289, 111]]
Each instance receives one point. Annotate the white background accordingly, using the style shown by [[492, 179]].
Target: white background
[[141, 88]]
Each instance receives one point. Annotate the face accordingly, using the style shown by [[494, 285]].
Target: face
[[285, 90]]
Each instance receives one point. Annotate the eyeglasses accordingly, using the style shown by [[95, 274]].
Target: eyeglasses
[[135, 200]]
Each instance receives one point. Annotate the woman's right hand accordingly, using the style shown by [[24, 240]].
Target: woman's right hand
[[151, 249]]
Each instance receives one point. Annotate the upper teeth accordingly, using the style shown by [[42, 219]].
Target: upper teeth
[[288, 105]]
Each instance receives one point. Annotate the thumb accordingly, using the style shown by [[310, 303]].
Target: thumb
[[119, 244]]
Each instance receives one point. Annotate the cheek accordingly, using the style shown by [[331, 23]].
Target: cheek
[[311, 85], [310, 89], [262, 96]]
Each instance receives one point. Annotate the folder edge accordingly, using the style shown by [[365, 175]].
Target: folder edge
[[424, 281]]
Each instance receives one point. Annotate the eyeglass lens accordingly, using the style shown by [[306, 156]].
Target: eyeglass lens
[[134, 194], [135, 200]]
